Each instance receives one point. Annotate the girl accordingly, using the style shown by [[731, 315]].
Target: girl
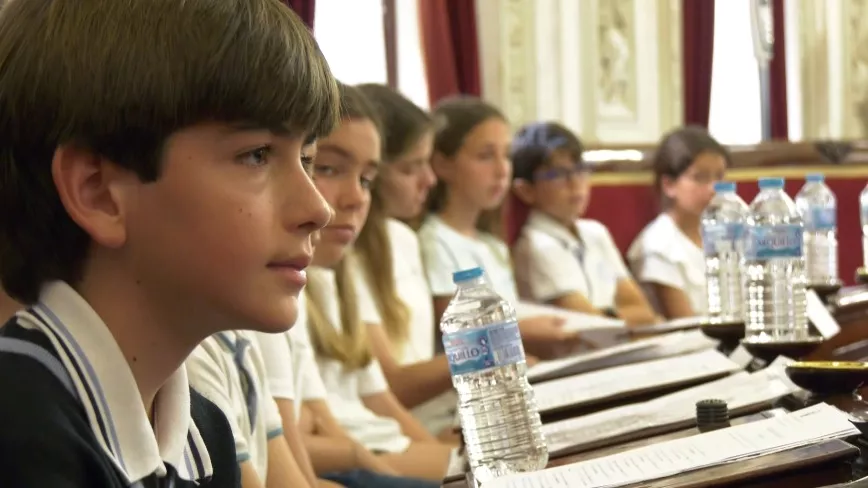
[[667, 255], [471, 161], [347, 164], [560, 258], [389, 254]]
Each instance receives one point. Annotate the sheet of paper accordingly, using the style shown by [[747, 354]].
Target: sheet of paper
[[598, 330], [675, 324], [739, 390], [819, 315], [456, 463], [606, 383], [741, 357], [657, 461], [628, 353]]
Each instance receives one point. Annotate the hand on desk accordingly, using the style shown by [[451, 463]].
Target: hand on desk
[[544, 336]]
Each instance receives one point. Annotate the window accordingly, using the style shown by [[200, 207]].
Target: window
[[350, 34], [735, 115]]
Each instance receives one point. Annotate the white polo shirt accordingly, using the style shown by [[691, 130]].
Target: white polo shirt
[[412, 287], [346, 388], [108, 393], [290, 363], [227, 368], [662, 254], [552, 262], [445, 251]]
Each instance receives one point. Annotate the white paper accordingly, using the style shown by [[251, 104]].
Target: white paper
[[738, 391], [800, 428], [598, 385], [456, 463], [656, 347], [819, 315], [598, 330], [741, 357], [674, 324]]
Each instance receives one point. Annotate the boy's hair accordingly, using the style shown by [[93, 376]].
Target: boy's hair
[[454, 119], [678, 150], [349, 342], [404, 124], [118, 79]]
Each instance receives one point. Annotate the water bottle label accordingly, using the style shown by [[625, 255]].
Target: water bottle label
[[720, 238], [479, 349], [820, 219], [774, 241]]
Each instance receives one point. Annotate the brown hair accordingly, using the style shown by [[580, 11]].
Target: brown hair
[[679, 149], [350, 346], [119, 78], [454, 119], [404, 124]]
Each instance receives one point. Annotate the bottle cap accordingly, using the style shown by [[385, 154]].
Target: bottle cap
[[815, 178], [466, 275], [712, 413], [771, 183], [724, 186]]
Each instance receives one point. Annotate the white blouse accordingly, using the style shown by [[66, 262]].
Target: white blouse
[[346, 388], [445, 251], [290, 363], [551, 262], [662, 254]]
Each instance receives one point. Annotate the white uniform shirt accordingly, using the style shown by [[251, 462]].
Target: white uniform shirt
[[290, 363], [550, 262], [243, 396], [445, 251], [662, 254], [346, 388]]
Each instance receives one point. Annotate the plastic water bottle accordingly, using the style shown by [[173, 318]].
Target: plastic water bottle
[[863, 215], [774, 267], [499, 417], [723, 224], [818, 208]]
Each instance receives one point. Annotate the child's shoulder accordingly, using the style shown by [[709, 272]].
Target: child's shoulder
[[218, 439], [45, 436]]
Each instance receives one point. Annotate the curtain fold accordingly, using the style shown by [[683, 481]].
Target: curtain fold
[[305, 9], [778, 75], [698, 46], [450, 47]]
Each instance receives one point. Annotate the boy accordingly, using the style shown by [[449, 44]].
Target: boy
[[151, 194]]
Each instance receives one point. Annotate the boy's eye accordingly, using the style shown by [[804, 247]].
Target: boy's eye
[[256, 157], [307, 164]]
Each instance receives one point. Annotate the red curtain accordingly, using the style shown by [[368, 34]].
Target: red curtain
[[304, 8], [778, 75], [698, 30], [450, 47]]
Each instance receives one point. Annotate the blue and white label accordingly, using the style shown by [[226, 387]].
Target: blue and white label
[[483, 348], [722, 237], [819, 218], [774, 241]]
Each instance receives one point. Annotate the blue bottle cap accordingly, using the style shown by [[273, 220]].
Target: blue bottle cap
[[815, 178], [724, 187], [771, 183], [466, 275]]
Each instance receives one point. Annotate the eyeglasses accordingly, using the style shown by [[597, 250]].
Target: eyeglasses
[[562, 174]]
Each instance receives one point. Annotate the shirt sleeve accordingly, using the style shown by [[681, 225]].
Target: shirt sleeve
[[209, 375], [613, 255], [656, 268], [277, 357], [439, 265], [371, 379], [552, 271]]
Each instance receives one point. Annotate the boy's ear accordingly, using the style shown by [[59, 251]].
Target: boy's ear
[[524, 191], [91, 190]]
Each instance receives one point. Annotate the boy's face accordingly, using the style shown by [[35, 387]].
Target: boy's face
[[224, 234]]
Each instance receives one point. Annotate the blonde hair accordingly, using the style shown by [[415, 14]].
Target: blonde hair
[[348, 343]]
